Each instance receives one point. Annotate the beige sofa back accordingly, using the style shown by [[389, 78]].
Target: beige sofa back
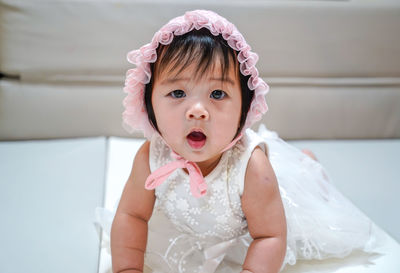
[[333, 66]]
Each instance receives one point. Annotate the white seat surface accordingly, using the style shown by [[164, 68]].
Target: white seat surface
[[339, 158], [48, 193]]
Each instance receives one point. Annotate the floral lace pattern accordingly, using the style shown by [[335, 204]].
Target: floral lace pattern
[[218, 214], [207, 228]]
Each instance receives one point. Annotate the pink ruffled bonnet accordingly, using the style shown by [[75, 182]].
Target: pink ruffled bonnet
[[135, 116]]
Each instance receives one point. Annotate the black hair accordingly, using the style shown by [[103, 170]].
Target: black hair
[[202, 48]]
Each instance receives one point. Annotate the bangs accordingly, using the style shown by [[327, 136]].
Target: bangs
[[199, 48]]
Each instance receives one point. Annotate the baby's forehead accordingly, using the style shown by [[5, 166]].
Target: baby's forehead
[[214, 71], [210, 80]]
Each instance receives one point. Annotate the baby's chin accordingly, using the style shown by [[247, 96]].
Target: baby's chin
[[196, 156], [203, 157]]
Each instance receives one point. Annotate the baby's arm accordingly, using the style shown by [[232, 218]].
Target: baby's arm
[[262, 205], [129, 228]]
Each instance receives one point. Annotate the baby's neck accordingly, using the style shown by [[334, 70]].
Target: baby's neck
[[208, 166]]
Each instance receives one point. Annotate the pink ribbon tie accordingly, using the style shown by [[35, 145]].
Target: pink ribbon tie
[[198, 186]]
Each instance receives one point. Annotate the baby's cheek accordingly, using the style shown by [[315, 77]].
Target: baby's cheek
[[165, 120], [227, 130]]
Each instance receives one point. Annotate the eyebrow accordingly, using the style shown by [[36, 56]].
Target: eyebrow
[[174, 80]]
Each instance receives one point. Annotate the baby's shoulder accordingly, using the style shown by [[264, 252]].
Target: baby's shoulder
[[260, 179], [143, 150], [258, 166], [247, 158], [141, 160], [259, 172]]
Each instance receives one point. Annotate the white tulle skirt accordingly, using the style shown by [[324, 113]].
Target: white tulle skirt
[[321, 222]]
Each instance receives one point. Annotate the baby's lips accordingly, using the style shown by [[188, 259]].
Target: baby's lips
[[196, 139]]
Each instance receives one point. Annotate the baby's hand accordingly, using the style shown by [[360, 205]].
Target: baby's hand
[[246, 271]]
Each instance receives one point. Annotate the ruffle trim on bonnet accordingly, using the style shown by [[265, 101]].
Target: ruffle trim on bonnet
[[135, 115]]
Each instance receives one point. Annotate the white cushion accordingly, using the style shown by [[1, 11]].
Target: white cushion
[[48, 193]]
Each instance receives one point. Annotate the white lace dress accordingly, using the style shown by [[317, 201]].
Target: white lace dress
[[209, 234]]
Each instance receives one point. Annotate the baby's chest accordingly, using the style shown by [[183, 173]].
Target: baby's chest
[[217, 214]]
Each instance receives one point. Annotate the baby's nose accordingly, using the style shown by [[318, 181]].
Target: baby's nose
[[197, 111]]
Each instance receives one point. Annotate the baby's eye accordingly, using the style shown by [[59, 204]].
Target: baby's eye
[[177, 94], [217, 94]]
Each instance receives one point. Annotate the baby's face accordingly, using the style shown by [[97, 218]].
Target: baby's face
[[197, 118]]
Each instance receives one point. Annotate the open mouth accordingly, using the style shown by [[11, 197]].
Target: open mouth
[[196, 139]]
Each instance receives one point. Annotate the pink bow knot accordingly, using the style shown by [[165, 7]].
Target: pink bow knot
[[198, 186]]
